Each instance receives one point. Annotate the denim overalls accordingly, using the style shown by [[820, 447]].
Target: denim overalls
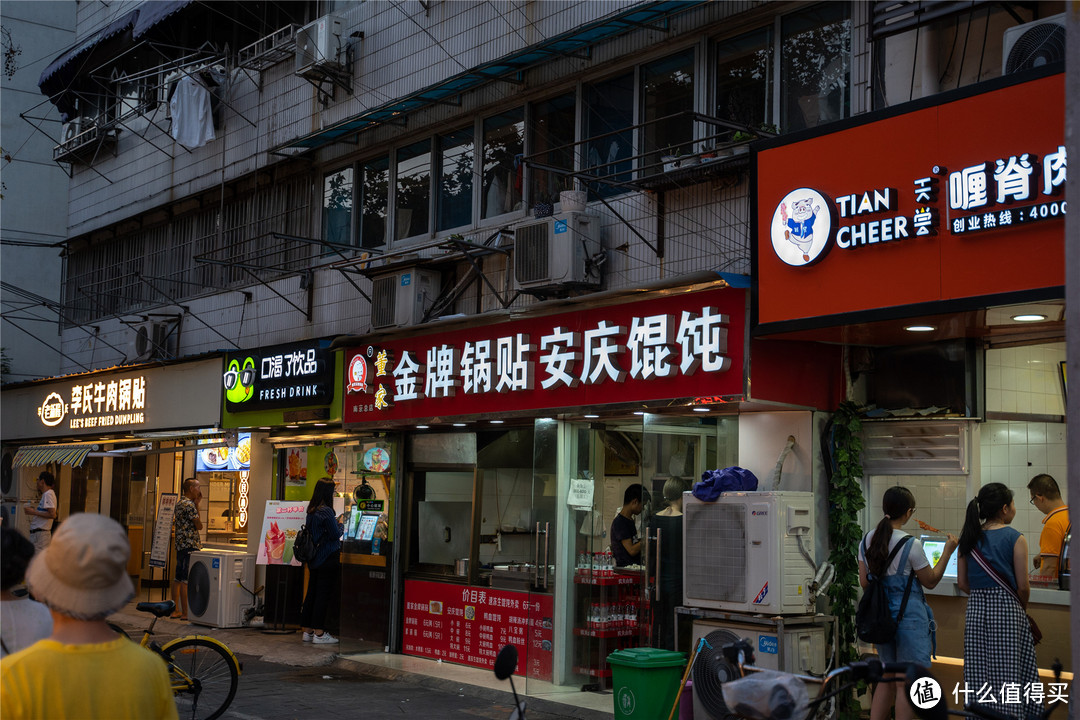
[[916, 637]]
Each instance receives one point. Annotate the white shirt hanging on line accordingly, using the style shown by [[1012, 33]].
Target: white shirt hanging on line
[[192, 119]]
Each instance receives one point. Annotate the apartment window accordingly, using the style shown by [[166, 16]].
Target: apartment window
[[551, 142], [374, 203], [413, 196], [744, 80], [667, 88], [815, 72], [456, 179], [338, 207], [609, 115], [504, 137]]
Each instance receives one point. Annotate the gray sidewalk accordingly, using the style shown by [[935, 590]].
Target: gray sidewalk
[[288, 649]]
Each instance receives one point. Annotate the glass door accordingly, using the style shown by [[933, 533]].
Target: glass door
[[675, 453], [543, 645]]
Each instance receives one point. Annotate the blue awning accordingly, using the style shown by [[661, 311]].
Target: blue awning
[[154, 11], [573, 41], [85, 45]]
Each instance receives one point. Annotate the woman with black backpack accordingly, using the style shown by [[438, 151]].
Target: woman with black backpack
[[890, 555], [325, 568]]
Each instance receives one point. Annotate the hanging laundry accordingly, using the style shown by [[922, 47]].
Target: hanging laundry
[[192, 119]]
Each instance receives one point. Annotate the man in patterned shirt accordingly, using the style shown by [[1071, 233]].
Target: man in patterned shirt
[[186, 527]]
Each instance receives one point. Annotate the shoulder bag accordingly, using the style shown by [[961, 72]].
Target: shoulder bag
[[1036, 633]]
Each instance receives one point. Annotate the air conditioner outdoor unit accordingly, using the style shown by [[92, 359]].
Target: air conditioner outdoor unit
[[744, 552], [1033, 44], [75, 127], [557, 251], [318, 46], [219, 585], [400, 299], [153, 341], [797, 649]]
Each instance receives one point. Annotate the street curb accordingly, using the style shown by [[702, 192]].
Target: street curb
[[499, 696]]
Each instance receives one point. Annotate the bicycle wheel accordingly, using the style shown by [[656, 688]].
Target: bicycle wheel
[[204, 676]]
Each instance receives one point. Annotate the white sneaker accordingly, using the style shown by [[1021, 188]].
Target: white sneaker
[[324, 639], [308, 636]]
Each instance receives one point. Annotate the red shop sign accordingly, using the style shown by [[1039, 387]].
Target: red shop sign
[[677, 346], [469, 625], [959, 200]]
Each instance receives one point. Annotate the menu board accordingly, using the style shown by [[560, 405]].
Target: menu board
[[159, 548], [469, 625]]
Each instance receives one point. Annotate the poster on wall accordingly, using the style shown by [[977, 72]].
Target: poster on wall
[[469, 625], [296, 467], [159, 548], [281, 521]]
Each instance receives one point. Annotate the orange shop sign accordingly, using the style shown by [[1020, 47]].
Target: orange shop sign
[[958, 200]]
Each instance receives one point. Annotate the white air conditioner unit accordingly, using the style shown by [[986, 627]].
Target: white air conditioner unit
[[557, 251], [219, 585], [75, 127], [401, 298], [154, 340], [796, 649], [744, 552], [1033, 44], [318, 46]]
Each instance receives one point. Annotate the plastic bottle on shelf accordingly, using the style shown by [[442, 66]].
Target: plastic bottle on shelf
[[609, 564], [595, 615], [581, 561]]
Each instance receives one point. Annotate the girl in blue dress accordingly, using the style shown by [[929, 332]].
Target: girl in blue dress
[[998, 649]]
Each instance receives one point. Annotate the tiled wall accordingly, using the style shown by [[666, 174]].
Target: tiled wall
[[939, 500], [1014, 452], [1025, 379], [1008, 452]]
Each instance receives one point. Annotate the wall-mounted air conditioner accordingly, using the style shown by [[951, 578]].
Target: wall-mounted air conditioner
[[555, 251], [1033, 44], [318, 46], [747, 552], [75, 127], [153, 340], [401, 298], [76, 135]]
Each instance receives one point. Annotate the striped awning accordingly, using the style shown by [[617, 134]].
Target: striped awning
[[33, 455]]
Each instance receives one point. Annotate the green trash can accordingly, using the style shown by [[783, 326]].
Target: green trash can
[[645, 682]]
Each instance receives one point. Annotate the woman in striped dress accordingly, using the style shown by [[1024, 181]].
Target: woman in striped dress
[[999, 655]]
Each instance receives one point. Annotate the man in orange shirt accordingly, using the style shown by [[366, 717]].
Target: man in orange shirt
[[1046, 496]]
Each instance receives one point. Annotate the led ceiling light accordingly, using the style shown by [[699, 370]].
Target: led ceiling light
[[701, 409], [1029, 317], [421, 427], [920, 328]]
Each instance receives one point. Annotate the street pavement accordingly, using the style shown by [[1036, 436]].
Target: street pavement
[[285, 678]]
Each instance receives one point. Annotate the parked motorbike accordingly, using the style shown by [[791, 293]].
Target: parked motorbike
[[505, 665]]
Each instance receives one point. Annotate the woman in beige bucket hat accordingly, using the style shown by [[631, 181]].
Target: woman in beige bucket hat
[[82, 578]]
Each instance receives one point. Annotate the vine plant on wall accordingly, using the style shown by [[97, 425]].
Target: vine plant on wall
[[845, 501]]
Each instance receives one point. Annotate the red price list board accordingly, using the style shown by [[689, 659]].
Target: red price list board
[[469, 625]]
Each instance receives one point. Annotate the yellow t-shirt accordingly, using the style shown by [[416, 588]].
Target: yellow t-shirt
[[117, 680]]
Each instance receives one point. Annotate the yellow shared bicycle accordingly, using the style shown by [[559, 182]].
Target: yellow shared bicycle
[[203, 671]]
